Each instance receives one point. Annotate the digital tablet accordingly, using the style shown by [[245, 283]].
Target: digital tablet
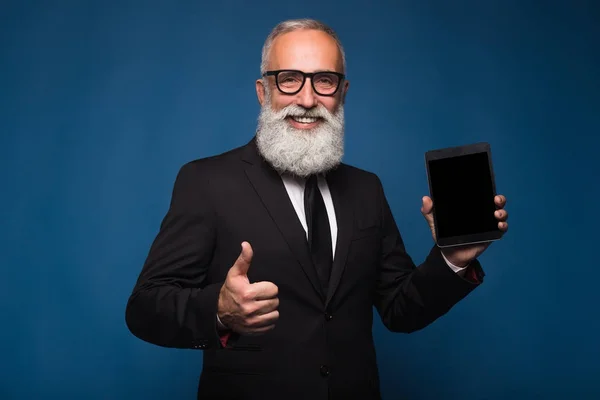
[[462, 186]]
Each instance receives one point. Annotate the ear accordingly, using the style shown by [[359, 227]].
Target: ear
[[345, 90], [260, 91]]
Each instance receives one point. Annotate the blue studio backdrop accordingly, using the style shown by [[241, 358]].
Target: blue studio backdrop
[[102, 102]]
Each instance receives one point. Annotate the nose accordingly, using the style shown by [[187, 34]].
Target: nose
[[307, 97]]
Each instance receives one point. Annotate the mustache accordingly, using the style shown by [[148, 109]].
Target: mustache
[[294, 110]]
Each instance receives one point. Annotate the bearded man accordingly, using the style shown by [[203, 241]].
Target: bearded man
[[273, 256]]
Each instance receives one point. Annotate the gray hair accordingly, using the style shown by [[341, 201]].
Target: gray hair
[[294, 25]]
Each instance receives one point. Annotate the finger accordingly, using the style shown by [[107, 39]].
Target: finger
[[500, 201], [427, 206], [242, 264], [501, 215], [264, 320], [263, 291], [265, 306], [503, 226]]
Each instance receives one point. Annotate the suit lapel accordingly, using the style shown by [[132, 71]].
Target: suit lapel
[[271, 190], [345, 219]]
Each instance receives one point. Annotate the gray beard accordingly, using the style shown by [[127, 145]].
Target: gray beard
[[296, 151]]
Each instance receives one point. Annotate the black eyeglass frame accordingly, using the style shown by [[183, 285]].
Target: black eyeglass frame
[[305, 75]]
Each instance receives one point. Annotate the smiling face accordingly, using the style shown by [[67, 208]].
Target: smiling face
[[301, 130], [307, 51]]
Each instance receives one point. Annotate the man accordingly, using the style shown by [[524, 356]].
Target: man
[[272, 255]]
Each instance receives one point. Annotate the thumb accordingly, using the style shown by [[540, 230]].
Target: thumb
[[427, 211], [242, 264], [427, 206]]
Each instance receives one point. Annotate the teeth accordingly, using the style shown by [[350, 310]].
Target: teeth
[[305, 120]]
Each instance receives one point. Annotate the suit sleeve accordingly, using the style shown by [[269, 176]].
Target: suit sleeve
[[172, 303], [409, 298]]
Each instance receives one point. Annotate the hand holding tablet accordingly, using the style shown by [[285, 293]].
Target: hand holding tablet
[[465, 213]]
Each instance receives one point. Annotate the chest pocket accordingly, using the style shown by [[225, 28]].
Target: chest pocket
[[366, 223], [365, 232]]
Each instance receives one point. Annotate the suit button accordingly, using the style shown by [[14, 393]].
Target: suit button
[[328, 317], [324, 370]]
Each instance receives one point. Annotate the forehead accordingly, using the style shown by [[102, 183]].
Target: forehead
[[306, 50]]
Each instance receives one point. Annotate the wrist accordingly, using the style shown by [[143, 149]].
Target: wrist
[[220, 306], [454, 264], [221, 327]]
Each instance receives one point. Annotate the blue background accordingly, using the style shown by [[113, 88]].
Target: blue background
[[101, 103]]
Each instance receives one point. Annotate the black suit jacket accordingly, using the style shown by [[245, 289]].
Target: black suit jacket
[[322, 345]]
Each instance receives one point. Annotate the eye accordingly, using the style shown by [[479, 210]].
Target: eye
[[326, 80], [290, 78]]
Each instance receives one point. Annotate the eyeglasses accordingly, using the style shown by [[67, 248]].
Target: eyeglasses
[[324, 83]]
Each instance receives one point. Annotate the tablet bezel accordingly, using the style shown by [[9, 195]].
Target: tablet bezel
[[457, 151]]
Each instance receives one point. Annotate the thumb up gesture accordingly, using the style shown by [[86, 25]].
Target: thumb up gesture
[[244, 307]]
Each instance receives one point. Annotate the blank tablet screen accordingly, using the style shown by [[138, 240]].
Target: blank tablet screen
[[463, 195]]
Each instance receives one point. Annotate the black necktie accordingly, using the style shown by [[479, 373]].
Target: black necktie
[[319, 232]]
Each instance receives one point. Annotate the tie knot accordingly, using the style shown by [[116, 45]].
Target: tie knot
[[311, 182]]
